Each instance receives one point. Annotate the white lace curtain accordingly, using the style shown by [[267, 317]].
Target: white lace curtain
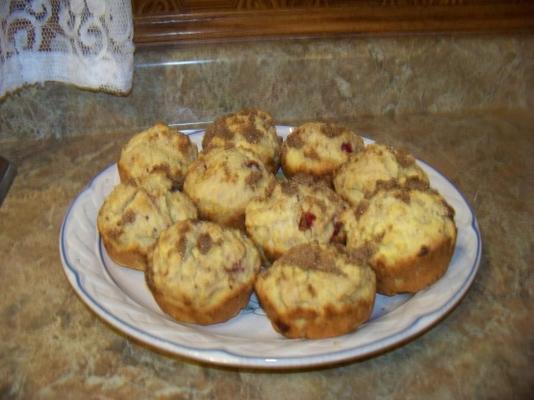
[[84, 42]]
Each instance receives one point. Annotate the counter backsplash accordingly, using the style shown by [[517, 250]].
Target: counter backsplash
[[292, 79]]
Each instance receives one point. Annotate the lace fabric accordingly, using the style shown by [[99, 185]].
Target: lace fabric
[[88, 43]]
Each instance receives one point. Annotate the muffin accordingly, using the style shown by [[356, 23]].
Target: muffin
[[157, 158], [318, 149], [223, 181], [357, 178], [131, 219], [297, 211], [408, 233], [317, 291], [201, 272], [252, 130]]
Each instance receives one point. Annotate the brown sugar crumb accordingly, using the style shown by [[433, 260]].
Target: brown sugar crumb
[[217, 129], [252, 165], [312, 258], [251, 134], [181, 247], [184, 228], [317, 183], [331, 130], [383, 185], [128, 217], [362, 254], [253, 178], [325, 181], [153, 136], [295, 140], [222, 130], [162, 168], [415, 182], [115, 233], [403, 195], [450, 210], [204, 243], [403, 158], [270, 187], [338, 234], [378, 237], [363, 206], [307, 180], [289, 188], [312, 290]]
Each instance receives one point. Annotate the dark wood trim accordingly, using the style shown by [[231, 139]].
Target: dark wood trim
[[216, 25]]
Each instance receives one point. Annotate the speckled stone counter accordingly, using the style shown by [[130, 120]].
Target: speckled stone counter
[[327, 78], [53, 346]]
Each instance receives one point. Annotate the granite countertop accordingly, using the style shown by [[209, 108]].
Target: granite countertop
[[53, 346]]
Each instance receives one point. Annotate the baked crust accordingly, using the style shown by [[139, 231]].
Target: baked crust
[[228, 308], [338, 321], [416, 272], [249, 129], [317, 291], [297, 211], [157, 158], [223, 181], [318, 149], [202, 273], [377, 164], [409, 235], [131, 219], [133, 256]]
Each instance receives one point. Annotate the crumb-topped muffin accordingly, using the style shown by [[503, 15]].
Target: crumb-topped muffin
[[357, 178], [157, 158], [317, 291], [249, 129], [131, 219], [223, 181], [297, 211], [201, 272], [318, 149], [409, 234]]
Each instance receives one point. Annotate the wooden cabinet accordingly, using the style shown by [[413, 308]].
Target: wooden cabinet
[[178, 21]]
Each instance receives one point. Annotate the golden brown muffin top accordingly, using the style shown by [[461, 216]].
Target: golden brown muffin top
[[318, 148], [249, 129], [317, 277], [359, 176], [202, 263], [223, 181], [297, 211], [157, 157], [397, 223]]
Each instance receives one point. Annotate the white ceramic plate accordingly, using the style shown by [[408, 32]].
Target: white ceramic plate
[[120, 296]]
